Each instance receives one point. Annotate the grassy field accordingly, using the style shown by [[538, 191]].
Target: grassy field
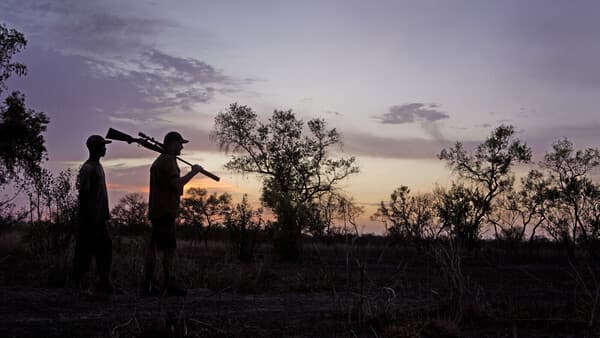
[[344, 288]]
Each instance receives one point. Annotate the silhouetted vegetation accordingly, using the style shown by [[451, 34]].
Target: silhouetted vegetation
[[21, 129], [204, 211], [295, 166], [243, 224], [130, 215], [486, 174], [409, 217]]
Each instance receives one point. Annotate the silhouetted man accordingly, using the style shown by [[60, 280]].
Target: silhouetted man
[[92, 239], [166, 187]]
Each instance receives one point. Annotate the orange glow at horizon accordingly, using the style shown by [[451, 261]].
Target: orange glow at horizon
[[128, 188]]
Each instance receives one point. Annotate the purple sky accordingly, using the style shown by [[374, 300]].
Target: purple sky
[[399, 79]]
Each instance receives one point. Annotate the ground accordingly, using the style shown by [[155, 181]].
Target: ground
[[346, 289], [64, 313]]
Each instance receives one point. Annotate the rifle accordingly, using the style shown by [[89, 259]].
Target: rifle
[[149, 143]]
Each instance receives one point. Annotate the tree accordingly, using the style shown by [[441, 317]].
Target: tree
[[333, 214], [22, 146], [573, 194], [487, 170], [518, 211], [36, 188], [203, 210], [131, 212], [243, 224], [65, 197], [459, 209], [294, 164], [409, 217], [52, 198], [348, 212], [11, 42]]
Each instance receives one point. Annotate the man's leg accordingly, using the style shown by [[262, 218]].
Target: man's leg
[[168, 256], [148, 287], [171, 286], [169, 245], [104, 260], [81, 260]]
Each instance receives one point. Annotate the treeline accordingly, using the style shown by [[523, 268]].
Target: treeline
[[556, 199]]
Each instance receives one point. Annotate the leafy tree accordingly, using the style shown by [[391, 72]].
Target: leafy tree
[[65, 197], [11, 42], [523, 209], [203, 210], [38, 190], [131, 212], [409, 217], [459, 209], [294, 163], [21, 130], [573, 194], [487, 170], [243, 224], [333, 214], [53, 199]]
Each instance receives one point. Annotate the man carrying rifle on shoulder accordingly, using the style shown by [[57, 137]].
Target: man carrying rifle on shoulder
[[166, 187]]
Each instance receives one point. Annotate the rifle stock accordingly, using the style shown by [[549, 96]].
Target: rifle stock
[[116, 135]]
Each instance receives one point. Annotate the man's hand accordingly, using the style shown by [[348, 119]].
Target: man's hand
[[196, 169]]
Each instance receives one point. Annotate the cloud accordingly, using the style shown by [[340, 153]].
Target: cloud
[[93, 65], [425, 114], [92, 28], [541, 139], [119, 45], [412, 112], [364, 144], [164, 81]]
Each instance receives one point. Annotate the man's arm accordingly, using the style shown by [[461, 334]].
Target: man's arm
[[183, 180], [85, 184], [174, 179]]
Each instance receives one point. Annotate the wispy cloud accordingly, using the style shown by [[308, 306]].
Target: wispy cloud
[[93, 28], [166, 81], [95, 64], [367, 144], [115, 44]]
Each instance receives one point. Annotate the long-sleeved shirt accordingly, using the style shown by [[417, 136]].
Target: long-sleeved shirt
[[165, 189], [93, 198]]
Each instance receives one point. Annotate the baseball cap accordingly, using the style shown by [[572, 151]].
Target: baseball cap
[[174, 136], [96, 140]]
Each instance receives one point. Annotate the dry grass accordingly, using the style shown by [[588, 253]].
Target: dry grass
[[374, 289]]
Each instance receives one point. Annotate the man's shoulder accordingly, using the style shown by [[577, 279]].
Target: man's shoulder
[[89, 167], [164, 160]]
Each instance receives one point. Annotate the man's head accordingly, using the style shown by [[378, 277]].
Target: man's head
[[173, 143], [96, 145]]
